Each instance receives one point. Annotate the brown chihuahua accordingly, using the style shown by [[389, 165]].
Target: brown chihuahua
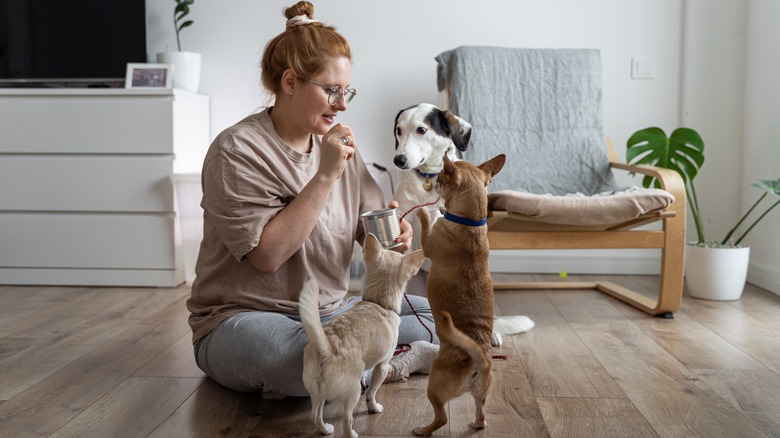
[[460, 290]]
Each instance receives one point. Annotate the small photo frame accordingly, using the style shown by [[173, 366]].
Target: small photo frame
[[141, 75]]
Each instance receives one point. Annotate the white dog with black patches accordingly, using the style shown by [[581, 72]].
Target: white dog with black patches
[[424, 134]]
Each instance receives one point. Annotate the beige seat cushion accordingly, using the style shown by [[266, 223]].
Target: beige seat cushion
[[578, 209]]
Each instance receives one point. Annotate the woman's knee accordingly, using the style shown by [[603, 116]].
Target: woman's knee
[[255, 351]]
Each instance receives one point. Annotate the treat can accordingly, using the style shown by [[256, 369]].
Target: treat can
[[384, 225]]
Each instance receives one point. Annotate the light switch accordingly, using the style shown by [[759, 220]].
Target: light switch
[[642, 67]]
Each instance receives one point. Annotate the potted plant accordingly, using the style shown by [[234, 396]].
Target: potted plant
[[186, 65], [714, 270]]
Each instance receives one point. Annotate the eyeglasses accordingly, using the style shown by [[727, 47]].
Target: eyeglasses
[[336, 93]]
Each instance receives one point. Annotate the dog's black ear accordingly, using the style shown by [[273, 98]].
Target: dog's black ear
[[460, 131], [447, 124], [395, 124], [437, 120]]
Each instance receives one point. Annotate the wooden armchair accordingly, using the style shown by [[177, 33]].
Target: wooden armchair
[[536, 103]]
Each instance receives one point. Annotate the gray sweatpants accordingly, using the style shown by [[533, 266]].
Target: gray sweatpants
[[263, 351]]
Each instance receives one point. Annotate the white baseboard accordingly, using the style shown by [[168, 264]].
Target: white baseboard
[[597, 261], [764, 277]]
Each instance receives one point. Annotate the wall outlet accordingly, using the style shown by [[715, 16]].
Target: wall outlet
[[642, 67]]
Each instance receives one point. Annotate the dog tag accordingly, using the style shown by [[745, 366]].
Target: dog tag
[[427, 185]]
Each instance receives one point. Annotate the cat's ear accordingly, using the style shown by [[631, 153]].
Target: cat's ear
[[413, 261], [372, 249]]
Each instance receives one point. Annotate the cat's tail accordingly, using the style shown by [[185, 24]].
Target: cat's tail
[[310, 317], [446, 331]]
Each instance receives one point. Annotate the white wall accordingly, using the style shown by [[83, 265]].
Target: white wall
[[732, 97], [713, 104], [394, 45], [761, 140]]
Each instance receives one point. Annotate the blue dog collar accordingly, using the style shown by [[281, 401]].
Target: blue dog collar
[[426, 175], [465, 221]]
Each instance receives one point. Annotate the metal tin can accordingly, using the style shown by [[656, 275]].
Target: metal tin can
[[384, 225]]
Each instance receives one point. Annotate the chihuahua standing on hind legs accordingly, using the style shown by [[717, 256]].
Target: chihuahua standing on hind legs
[[460, 289]]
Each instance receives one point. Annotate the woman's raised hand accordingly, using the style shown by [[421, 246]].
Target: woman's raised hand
[[338, 146]]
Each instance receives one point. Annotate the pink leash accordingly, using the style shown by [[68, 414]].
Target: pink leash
[[406, 347], [418, 206]]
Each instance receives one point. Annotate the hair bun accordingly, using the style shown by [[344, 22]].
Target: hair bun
[[300, 8]]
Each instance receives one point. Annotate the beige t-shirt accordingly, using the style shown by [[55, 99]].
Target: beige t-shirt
[[249, 175]]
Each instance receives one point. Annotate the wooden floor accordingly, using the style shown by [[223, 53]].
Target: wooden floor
[[113, 362]]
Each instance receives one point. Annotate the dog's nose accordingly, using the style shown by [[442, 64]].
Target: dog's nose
[[400, 161]]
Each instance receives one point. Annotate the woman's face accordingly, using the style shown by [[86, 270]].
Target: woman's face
[[315, 113]]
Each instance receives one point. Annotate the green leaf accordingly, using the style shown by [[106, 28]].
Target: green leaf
[[769, 186], [181, 11], [682, 152]]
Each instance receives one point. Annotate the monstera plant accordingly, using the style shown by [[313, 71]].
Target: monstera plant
[[714, 270], [683, 151]]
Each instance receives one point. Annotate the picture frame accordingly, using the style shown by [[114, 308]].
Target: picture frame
[[141, 75]]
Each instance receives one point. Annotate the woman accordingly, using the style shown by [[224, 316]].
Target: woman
[[282, 193]]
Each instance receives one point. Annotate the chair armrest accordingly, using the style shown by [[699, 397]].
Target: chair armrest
[[670, 180]]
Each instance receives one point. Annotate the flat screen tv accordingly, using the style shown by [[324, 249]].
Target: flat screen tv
[[65, 43]]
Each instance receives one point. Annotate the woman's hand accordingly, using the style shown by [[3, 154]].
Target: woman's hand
[[406, 233], [338, 146], [289, 229]]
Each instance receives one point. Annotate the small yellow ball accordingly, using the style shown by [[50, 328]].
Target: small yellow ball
[[562, 275]]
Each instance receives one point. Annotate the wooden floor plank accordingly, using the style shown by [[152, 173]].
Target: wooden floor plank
[[40, 359], [672, 398], [10, 347], [686, 414], [695, 346], [178, 360], [760, 305], [133, 409], [755, 393], [557, 362], [61, 337], [594, 418], [750, 335], [213, 411], [57, 399], [406, 407], [93, 314]]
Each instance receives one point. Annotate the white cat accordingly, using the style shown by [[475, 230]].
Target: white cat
[[361, 338]]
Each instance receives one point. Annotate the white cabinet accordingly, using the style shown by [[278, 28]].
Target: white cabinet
[[86, 192]]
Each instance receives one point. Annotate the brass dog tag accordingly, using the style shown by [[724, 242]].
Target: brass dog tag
[[427, 185]]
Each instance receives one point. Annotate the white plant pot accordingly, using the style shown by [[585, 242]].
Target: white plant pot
[[716, 273], [186, 69]]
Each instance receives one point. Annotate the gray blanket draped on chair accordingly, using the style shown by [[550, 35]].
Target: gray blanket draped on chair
[[540, 107]]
